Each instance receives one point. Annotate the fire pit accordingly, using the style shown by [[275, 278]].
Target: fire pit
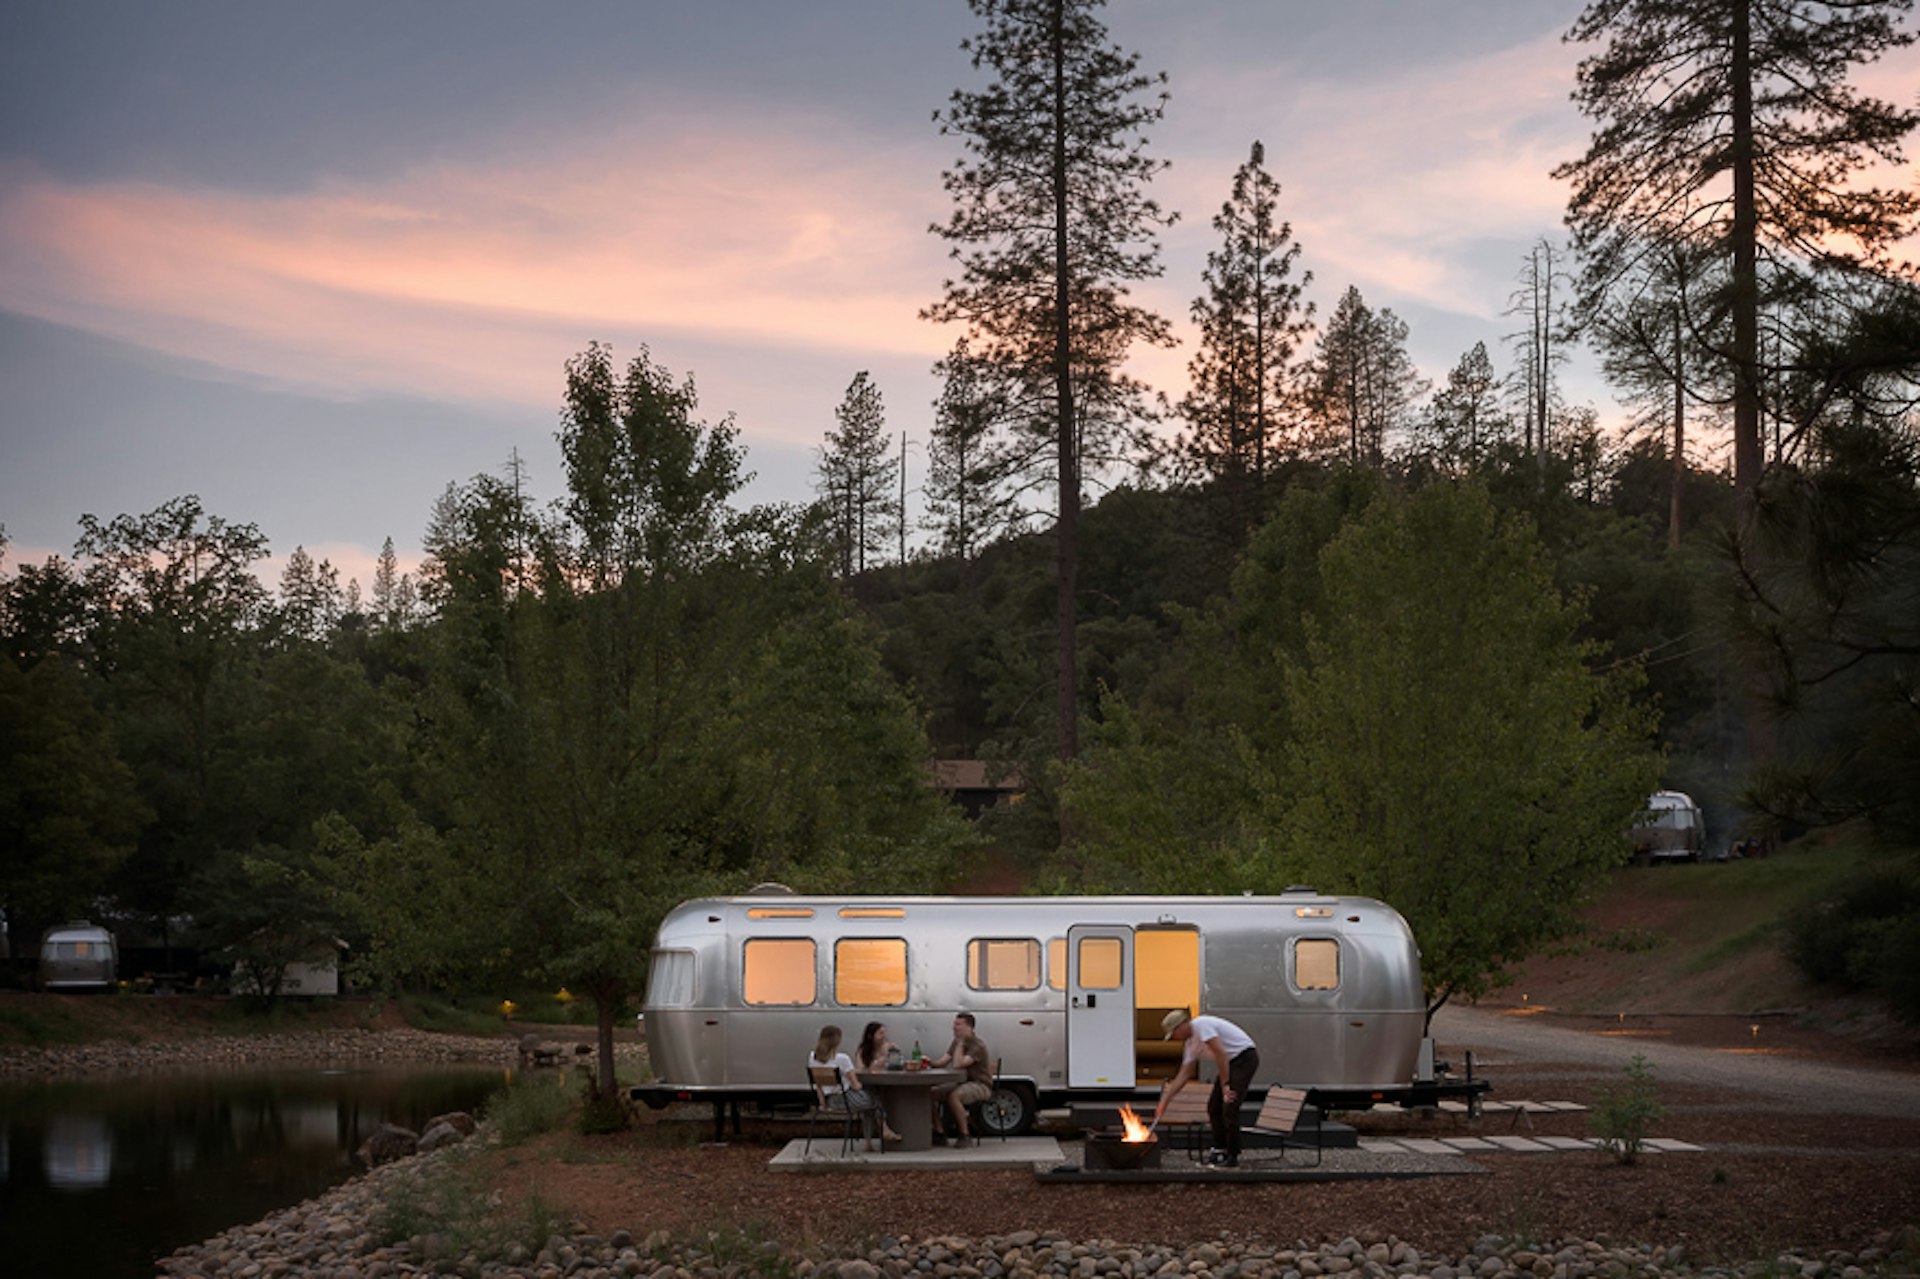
[[1110, 1151], [1123, 1149]]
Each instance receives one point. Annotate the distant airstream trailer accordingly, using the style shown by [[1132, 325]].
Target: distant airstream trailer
[[1068, 992], [78, 956]]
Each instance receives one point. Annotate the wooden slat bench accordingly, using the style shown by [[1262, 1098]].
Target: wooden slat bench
[[1280, 1116]]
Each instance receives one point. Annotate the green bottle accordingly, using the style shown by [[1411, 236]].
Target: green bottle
[[916, 1050]]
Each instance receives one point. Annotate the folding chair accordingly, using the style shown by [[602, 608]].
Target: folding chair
[[1280, 1116], [830, 1106]]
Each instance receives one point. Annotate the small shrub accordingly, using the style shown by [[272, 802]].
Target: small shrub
[[449, 1216], [602, 1114], [527, 1108], [1625, 1112]]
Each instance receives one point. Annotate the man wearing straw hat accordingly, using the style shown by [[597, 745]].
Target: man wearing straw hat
[[1235, 1060]]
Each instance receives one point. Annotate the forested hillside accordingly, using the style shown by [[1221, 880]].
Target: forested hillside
[[1314, 615]]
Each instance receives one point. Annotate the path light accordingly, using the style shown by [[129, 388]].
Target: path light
[[1755, 1030], [506, 1007], [1523, 998]]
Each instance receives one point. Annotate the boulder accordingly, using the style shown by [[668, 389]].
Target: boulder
[[459, 1119], [438, 1135], [391, 1142]]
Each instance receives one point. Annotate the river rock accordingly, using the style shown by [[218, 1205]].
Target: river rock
[[389, 1143]]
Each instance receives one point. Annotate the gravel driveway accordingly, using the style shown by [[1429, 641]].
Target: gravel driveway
[[1498, 1038]]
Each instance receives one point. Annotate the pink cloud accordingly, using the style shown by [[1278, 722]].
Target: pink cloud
[[472, 283]]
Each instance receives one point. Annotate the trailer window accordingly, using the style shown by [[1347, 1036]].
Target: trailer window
[[1101, 963], [870, 970], [1316, 963], [1003, 963], [670, 983], [1057, 963], [778, 970]]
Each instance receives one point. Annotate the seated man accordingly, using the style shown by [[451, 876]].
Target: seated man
[[969, 1054]]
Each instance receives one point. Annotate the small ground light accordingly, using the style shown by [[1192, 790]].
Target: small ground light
[[506, 1007], [1755, 1030]]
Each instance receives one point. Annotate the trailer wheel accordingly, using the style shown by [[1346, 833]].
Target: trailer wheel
[[1008, 1112]]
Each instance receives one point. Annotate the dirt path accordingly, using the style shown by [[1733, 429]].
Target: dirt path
[[1796, 1078]]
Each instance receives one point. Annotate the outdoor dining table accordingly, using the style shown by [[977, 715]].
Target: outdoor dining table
[[906, 1096]]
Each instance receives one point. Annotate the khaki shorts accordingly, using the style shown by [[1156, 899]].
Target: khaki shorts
[[971, 1093]]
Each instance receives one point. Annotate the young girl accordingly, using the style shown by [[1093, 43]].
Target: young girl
[[857, 1099]]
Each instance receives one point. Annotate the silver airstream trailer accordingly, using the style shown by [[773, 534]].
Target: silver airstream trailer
[[1068, 992], [78, 956]]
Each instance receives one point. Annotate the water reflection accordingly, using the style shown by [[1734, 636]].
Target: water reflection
[[173, 1159], [79, 1152]]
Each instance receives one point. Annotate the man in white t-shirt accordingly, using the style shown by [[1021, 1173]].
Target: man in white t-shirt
[[1234, 1060]]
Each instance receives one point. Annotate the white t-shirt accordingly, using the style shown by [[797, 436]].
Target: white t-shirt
[[841, 1062], [1233, 1040]]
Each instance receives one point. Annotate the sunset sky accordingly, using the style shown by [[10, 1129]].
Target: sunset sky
[[314, 262]]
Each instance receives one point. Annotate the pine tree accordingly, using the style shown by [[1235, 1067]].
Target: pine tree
[[1364, 382], [1465, 418], [969, 501], [1728, 126], [386, 580], [859, 475], [1051, 223], [1541, 303], [1252, 321]]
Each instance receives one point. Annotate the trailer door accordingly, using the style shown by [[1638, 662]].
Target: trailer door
[[1099, 1006]]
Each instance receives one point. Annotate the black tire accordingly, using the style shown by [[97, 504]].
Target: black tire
[[1008, 1112]]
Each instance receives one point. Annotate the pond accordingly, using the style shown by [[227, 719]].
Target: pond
[[101, 1176]]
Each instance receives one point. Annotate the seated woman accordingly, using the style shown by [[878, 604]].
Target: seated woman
[[876, 1051], [854, 1097]]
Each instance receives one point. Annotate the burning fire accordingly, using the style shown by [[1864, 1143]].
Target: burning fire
[[1136, 1131]]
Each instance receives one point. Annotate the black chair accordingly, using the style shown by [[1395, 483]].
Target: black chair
[[830, 1105]]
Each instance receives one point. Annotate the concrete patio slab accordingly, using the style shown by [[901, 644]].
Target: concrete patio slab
[[991, 1153]]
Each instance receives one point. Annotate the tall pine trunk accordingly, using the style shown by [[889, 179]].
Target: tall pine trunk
[[1067, 528]]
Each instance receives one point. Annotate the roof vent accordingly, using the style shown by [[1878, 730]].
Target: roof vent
[[1302, 888], [769, 889]]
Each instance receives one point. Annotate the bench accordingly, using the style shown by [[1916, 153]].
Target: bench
[[1155, 1056], [1279, 1118]]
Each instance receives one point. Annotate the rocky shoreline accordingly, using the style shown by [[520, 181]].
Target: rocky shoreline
[[353, 1232]]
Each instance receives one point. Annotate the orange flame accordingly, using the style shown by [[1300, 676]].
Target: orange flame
[[1136, 1131]]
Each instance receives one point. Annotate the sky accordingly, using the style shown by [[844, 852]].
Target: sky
[[314, 262]]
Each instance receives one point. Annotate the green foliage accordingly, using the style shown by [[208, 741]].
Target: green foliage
[[530, 1106], [1397, 705], [1624, 1112], [1452, 752], [1864, 935], [674, 698], [601, 1115], [449, 1215], [69, 813]]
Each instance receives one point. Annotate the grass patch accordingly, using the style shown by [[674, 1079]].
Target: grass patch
[[530, 1106], [1734, 946], [450, 1216], [30, 1028]]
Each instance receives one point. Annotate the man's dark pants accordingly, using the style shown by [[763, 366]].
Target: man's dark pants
[[1225, 1118]]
